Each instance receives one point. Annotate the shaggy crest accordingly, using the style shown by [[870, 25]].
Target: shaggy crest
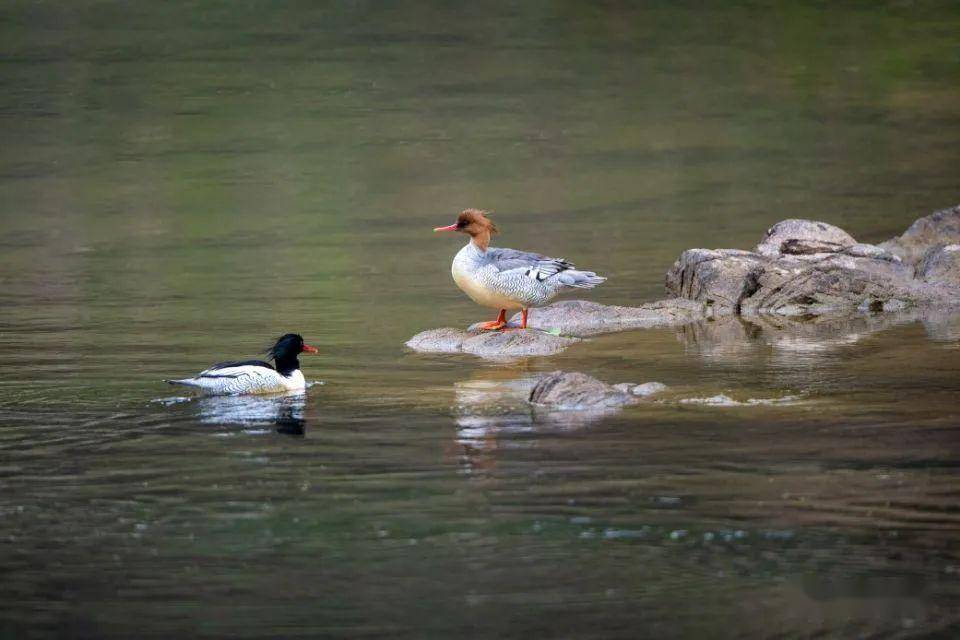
[[474, 221]]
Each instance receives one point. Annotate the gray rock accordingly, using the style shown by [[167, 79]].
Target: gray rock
[[492, 344], [648, 389], [941, 265], [577, 391], [641, 390], [445, 340], [493, 404], [796, 272], [720, 279], [860, 250], [836, 283], [939, 228], [795, 236], [573, 318], [808, 246], [581, 318]]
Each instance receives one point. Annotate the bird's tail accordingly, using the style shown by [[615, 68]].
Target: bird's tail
[[186, 382], [581, 279]]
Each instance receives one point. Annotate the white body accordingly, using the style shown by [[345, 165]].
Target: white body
[[471, 284], [244, 379], [510, 279]]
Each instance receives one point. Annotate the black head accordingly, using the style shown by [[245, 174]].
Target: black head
[[287, 345], [286, 349]]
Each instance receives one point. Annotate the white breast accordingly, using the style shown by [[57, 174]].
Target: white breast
[[295, 381], [471, 282]]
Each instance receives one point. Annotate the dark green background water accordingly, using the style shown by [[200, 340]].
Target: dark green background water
[[180, 182]]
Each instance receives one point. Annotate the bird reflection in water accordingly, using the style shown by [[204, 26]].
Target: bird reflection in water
[[493, 412], [489, 409], [285, 410]]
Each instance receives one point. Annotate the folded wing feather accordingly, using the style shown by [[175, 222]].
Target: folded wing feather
[[236, 377], [535, 265]]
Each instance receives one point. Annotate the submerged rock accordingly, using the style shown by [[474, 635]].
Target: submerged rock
[[641, 390], [490, 344], [572, 390], [648, 389], [495, 405], [491, 407], [723, 400], [808, 268]]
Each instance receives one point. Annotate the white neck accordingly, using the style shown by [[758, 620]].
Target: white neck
[[476, 246]]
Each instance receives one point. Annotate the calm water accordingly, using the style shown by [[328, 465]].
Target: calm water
[[180, 182]]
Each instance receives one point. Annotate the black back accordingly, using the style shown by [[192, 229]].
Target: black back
[[284, 352], [235, 363]]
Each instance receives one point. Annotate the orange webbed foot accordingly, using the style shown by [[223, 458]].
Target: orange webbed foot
[[493, 325], [523, 323]]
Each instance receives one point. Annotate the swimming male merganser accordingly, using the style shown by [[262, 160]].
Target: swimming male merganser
[[255, 376], [506, 278]]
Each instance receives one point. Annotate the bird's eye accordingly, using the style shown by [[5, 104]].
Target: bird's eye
[[461, 224]]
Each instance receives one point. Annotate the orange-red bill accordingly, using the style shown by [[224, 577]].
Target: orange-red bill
[[449, 227], [308, 349]]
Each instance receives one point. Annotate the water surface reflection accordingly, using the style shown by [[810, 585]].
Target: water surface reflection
[[286, 411]]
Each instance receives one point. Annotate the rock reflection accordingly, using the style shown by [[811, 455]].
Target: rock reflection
[[286, 411], [942, 326], [789, 340]]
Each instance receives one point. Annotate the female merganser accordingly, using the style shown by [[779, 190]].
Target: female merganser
[[506, 278], [255, 376]]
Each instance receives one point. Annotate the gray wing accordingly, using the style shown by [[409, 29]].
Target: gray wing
[[534, 265]]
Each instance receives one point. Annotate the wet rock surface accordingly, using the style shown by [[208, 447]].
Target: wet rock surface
[[648, 389], [809, 268], [941, 265], [494, 406], [582, 318], [939, 228], [493, 410], [572, 319], [490, 344], [796, 236], [572, 390]]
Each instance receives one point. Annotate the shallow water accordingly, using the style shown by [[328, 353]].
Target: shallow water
[[179, 183]]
